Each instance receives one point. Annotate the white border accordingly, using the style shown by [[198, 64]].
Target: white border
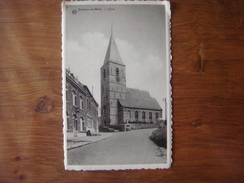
[[168, 80]]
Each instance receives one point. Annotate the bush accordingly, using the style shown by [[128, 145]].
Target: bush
[[159, 137]]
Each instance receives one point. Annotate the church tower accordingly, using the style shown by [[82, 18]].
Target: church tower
[[113, 84]]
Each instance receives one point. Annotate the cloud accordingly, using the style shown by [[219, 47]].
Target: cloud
[[85, 56], [143, 72], [139, 69]]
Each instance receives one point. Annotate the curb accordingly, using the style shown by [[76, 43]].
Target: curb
[[87, 143]]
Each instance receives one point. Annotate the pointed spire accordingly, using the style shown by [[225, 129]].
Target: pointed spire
[[112, 51]]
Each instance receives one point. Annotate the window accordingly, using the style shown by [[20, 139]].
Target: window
[[129, 114], [74, 98], [156, 115], [81, 124], [81, 102], [67, 115], [136, 115], [143, 115], [117, 74], [76, 124], [67, 93], [150, 115], [104, 73], [74, 120]]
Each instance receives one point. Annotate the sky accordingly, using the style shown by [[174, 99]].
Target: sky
[[139, 33]]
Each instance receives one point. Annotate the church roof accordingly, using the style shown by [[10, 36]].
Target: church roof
[[136, 98], [113, 52]]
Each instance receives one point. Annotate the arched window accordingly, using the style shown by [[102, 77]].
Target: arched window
[[143, 115], [74, 98], [156, 115], [150, 115], [129, 114], [136, 115], [81, 102]]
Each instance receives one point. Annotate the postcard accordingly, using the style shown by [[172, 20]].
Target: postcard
[[116, 85]]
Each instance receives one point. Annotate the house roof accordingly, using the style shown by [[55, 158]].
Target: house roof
[[136, 98], [113, 52]]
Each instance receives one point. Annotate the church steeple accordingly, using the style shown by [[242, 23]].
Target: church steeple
[[113, 84], [113, 52]]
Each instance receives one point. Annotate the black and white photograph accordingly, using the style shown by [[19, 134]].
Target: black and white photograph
[[116, 85]]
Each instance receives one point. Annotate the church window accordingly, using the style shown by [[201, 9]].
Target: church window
[[129, 114], [150, 115], [74, 98], [143, 115], [136, 115], [117, 75], [156, 115]]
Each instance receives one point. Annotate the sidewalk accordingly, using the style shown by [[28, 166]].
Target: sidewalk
[[82, 139]]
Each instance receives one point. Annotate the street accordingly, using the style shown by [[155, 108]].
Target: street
[[132, 147]]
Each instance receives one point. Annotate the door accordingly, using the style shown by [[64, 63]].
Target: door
[[81, 124]]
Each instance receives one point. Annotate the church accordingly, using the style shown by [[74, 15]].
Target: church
[[120, 104]]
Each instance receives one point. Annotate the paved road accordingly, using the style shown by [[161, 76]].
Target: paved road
[[132, 147]]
